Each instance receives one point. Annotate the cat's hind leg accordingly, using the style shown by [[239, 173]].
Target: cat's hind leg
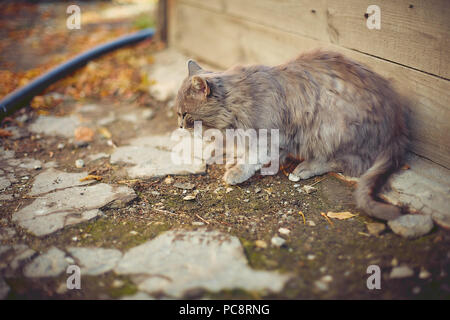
[[311, 168]]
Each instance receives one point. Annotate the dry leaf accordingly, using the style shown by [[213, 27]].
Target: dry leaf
[[308, 189], [341, 215], [105, 132], [84, 134], [91, 177], [5, 133]]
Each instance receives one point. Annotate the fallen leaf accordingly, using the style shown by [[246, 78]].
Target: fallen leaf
[[105, 132], [189, 198], [91, 177], [308, 189], [303, 216], [5, 133], [341, 215], [84, 134]]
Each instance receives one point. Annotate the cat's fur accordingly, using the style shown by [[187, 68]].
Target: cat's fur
[[333, 112]]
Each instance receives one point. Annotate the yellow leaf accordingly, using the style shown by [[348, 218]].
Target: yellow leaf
[[91, 177], [105, 132], [341, 215]]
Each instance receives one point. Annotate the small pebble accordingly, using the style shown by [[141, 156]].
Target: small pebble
[[277, 241], [311, 223], [61, 146], [168, 180], [322, 286], [284, 231], [411, 225], [424, 274], [229, 190], [133, 232], [327, 278], [189, 197], [401, 272], [117, 283], [198, 223], [257, 190], [375, 228], [184, 186], [310, 257], [79, 163], [394, 262], [261, 244]]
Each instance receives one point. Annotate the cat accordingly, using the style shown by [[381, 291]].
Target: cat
[[331, 111]]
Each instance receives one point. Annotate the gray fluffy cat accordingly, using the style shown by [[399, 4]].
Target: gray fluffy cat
[[333, 112]]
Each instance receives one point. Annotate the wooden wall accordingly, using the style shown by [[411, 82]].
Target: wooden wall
[[412, 47]]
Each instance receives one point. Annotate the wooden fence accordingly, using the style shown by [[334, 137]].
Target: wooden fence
[[412, 47]]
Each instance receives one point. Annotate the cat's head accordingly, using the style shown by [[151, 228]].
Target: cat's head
[[201, 98]]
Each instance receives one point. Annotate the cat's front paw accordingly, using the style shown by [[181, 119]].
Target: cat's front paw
[[236, 175]]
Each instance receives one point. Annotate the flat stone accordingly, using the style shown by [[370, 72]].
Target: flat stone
[[97, 156], [4, 288], [151, 156], [54, 211], [277, 241], [4, 182], [12, 256], [51, 180], [95, 261], [55, 126], [401, 272], [375, 228], [6, 197], [185, 186], [138, 296], [177, 261], [7, 233], [17, 133], [424, 188], [411, 225], [50, 264]]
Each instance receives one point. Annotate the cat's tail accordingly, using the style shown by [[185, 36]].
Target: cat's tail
[[367, 187]]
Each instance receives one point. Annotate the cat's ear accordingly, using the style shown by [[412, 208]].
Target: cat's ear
[[201, 87], [193, 68]]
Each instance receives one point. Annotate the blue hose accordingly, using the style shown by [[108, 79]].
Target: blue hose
[[22, 96]]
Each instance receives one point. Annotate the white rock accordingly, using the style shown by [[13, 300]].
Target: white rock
[[401, 272], [55, 126], [54, 211], [50, 264], [177, 261], [284, 231], [411, 225], [277, 241], [4, 289], [79, 163], [95, 261]]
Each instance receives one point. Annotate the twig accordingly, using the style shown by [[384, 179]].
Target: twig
[[328, 219], [201, 219], [304, 220], [317, 181]]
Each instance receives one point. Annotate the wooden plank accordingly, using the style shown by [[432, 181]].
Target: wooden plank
[[414, 36], [224, 41]]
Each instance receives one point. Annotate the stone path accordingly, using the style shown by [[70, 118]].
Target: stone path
[[53, 197]]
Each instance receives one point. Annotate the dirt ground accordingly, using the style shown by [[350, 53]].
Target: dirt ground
[[255, 210]]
